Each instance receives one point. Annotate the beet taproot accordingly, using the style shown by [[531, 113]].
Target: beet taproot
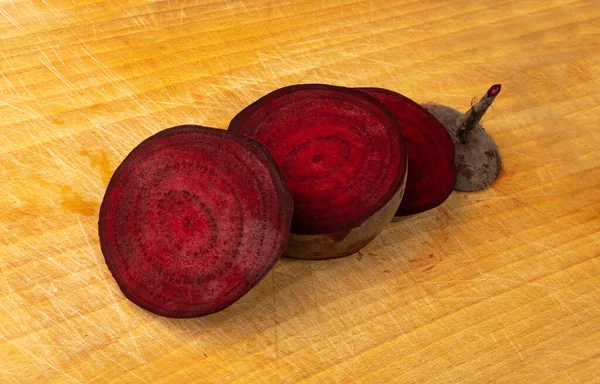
[[431, 170], [343, 157], [192, 219], [477, 157]]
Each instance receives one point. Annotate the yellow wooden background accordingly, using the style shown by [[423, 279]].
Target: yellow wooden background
[[497, 286]]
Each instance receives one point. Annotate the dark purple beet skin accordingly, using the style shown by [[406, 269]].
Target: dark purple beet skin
[[192, 219], [431, 169], [340, 150], [477, 157]]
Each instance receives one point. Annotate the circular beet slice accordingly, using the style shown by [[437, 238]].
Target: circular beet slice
[[343, 157], [431, 170], [477, 157], [192, 219]]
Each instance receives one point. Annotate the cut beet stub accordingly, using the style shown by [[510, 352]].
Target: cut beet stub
[[477, 157], [431, 170], [343, 157], [192, 219]]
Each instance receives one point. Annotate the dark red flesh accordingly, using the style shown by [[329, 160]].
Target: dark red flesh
[[192, 219], [494, 90], [431, 169], [341, 152]]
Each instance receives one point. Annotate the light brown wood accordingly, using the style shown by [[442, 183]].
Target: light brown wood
[[496, 286]]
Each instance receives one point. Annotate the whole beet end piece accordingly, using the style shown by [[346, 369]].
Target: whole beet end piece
[[477, 157], [192, 219], [431, 171], [343, 157]]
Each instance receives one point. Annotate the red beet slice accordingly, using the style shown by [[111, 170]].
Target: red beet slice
[[192, 219], [343, 157], [431, 170]]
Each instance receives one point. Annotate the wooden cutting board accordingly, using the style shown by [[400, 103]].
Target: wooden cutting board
[[496, 286]]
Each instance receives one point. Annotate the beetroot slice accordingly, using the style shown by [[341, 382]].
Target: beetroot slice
[[192, 219], [341, 153], [431, 169]]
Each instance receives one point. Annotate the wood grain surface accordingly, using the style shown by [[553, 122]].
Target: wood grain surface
[[497, 286]]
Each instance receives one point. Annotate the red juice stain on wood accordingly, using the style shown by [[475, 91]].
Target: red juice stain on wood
[[428, 268], [98, 159], [74, 202], [430, 256], [504, 174], [444, 217], [359, 255]]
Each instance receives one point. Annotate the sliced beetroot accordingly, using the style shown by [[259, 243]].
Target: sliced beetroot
[[192, 219], [431, 170], [343, 157], [477, 157]]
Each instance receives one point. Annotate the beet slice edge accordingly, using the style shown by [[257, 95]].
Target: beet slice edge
[[340, 150], [431, 168], [192, 219]]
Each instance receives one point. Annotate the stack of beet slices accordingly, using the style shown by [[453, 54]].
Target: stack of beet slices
[[194, 217]]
